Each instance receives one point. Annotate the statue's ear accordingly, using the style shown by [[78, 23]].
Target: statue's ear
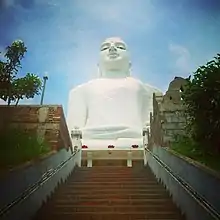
[[129, 70]]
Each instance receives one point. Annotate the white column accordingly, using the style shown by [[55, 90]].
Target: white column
[[76, 136], [79, 162], [129, 159], [79, 144], [145, 145], [145, 157], [145, 142], [89, 159]]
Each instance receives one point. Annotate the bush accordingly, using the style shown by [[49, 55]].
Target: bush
[[189, 148], [17, 146], [202, 99]]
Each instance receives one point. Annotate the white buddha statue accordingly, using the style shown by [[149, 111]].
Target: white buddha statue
[[114, 108]]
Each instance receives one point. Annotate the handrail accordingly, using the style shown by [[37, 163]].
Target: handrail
[[34, 187], [200, 199]]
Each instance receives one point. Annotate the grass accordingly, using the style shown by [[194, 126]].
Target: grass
[[189, 149], [17, 147]]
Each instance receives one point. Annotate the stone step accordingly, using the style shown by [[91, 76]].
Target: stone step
[[112, 178], [120, 187], [166, 202], [110, 193], [110, 196], [97, 191], [113, 172], [111, 168], [115, 175], [108, 168], [71, 215], [113, 208], [139, 168], [132, 183], [111, 181]]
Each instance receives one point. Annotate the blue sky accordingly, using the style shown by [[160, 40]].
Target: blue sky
[[166, 38]]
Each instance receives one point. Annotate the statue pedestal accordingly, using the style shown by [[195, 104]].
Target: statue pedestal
[[114, 152], [112, 157]]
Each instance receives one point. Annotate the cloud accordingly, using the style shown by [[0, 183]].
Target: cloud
[[182, 59], [80, 29], [6, 3], [26, 4], [2, 52], [27, 102], [22, 102], [126, 14], [91, 26]]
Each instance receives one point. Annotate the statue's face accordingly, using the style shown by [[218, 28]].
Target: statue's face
[[114, 55]]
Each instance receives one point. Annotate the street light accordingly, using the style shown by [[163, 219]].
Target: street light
[[45, 78]]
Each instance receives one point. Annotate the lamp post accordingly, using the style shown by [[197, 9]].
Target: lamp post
[[45, 78]]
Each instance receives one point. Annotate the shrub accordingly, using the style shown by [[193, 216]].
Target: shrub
[[202, 99], [17, 146]]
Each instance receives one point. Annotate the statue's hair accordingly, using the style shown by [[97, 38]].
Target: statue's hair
[[113, 38]]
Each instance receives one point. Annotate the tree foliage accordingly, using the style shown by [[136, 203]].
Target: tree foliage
[[202, 99], [26, 87], [13, 88]]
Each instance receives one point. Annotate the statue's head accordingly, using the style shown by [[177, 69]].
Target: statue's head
[[114, 58]]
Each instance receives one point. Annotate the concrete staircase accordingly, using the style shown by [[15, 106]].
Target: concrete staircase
[[110, 193]]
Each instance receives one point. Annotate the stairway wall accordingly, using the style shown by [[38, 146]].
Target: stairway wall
[[200, 180], [193, 173], [15, 183]]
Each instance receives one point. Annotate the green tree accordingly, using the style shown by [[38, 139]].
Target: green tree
[[202, 99], [13, 88], [26, 87]]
